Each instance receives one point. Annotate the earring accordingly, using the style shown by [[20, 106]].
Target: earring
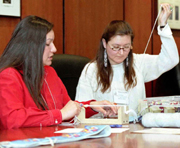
[[127, 62], [105, 58]]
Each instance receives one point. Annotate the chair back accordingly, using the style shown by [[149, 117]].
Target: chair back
[[168, 84], [69, 68]]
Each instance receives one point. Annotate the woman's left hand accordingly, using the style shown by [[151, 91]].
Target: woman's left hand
[[165, 14], [106, 110]]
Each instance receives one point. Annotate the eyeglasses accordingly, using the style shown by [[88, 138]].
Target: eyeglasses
[[117, 48]]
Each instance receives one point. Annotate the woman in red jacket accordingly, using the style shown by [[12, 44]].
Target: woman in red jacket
[[31, 93]]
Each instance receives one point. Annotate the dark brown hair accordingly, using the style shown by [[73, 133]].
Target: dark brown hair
[[104, 74], [24, 52]]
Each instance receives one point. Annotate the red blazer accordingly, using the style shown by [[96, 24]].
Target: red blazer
[[17, 108]]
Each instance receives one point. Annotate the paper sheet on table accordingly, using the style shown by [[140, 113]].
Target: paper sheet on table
[[118, 130], [76, 130], [70, 130], [173, 131]]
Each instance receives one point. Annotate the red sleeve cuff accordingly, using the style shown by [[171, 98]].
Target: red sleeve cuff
[[56, 116]]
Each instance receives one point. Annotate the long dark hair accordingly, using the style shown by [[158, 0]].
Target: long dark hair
[[104, 74], [24, 52]]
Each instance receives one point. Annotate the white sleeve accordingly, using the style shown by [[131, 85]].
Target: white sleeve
[[84, 89], [152, 66]]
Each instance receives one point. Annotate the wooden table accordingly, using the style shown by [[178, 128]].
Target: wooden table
[[126, 139]]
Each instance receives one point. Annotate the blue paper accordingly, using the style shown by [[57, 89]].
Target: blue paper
[[94, 131]]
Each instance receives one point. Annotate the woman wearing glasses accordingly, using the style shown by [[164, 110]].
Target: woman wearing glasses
[[117, 74]]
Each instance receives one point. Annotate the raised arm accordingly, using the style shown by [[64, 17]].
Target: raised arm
[[152, 66]]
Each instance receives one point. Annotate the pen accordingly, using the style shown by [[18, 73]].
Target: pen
[[116, 126]]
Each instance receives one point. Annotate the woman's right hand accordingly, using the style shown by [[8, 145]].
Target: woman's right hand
[[70, 110], [107, 111], [165, 14]]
